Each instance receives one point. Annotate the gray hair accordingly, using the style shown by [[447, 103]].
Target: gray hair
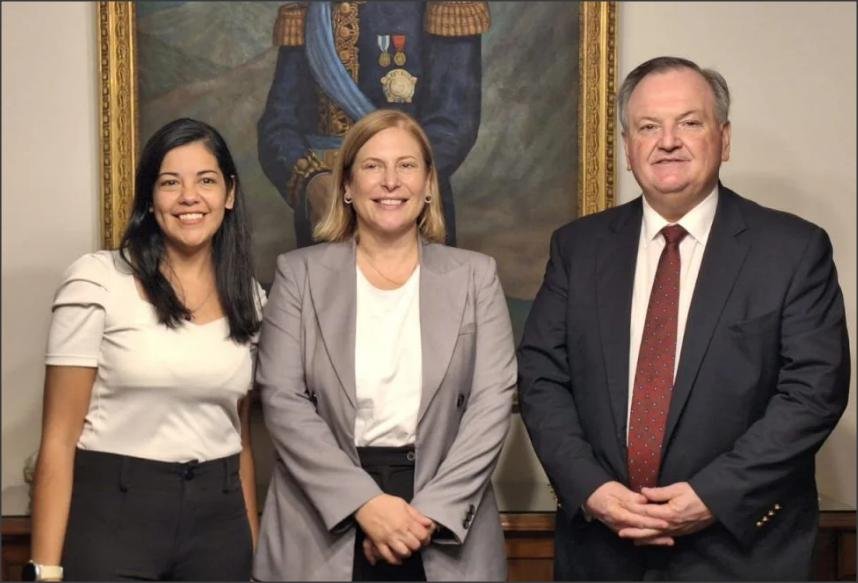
[[663, 64]]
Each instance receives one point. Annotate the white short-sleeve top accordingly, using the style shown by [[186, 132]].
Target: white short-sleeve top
[[388, 363], [159, 393]]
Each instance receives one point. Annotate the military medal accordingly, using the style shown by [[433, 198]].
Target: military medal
[[383, 45], [398, 86], [399, 45]]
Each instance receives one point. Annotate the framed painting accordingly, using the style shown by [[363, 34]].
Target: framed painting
[[543, 153]]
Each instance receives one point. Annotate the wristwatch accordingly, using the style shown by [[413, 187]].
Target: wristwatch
[[36, 572]]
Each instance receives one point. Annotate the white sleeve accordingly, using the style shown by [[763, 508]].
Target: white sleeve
[[77, 323], [261, 298]]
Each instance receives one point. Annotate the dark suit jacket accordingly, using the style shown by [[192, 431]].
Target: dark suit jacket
[[763, 377]]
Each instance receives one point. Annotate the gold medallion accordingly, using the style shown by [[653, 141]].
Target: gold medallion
[[399, 45], [383, 45], [398, 86]]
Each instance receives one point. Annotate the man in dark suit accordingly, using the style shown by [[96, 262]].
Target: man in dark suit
[[684, 360]]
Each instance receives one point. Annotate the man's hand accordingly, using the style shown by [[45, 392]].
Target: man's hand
[[394, 528], [679, 506], [622, 510]]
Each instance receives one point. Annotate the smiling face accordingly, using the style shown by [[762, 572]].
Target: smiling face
[[388, 182], [190, 198], [675, 144]]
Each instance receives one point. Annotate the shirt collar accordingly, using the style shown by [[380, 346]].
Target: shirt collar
[[697, 222]]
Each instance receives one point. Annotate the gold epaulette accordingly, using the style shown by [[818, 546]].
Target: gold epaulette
[[457, 18], [289, 28]]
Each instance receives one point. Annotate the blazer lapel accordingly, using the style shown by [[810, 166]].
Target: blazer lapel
[[615, 273], [723, 258], [333, 289], [443, 290]]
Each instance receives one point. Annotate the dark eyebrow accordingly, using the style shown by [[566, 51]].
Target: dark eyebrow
[[200, 173]]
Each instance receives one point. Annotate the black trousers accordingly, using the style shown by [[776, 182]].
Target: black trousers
[[392, 468], [132, 518]]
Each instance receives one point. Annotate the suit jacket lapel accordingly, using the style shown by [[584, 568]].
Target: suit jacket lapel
[[443, 290], [333, 288], [615, 273], [723, 258]]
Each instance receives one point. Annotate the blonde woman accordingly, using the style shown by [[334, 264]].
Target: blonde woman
[[386, 368]]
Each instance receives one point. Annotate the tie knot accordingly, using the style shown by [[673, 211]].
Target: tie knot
[[673, 234]]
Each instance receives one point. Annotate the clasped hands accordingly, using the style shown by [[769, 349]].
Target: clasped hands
[[394, 529], [655, 516]]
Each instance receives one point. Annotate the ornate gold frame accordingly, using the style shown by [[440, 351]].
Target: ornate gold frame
[[119, 117], [597, 61]]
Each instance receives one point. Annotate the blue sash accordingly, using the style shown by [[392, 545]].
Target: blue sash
[[326, 66]]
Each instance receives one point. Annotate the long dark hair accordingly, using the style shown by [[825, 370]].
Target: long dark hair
[[143, 249]]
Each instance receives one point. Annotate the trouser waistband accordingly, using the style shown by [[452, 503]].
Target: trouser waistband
[[387, 456], [140, 472]]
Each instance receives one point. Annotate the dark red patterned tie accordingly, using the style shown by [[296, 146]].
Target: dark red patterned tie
[[654, 372]]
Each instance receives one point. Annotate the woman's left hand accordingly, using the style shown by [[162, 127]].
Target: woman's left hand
[[395, 528], [372, 553]]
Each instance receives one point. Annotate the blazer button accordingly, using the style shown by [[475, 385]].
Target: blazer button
[[460, 400], [466, 524]]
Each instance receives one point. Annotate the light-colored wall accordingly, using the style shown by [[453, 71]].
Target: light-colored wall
[[791, 70], [49, 202], [791, 67]]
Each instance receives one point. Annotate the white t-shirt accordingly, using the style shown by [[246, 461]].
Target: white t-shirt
[[388, 363], [159, 393]]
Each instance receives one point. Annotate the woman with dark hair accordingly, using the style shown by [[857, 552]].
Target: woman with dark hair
[[145, 469]]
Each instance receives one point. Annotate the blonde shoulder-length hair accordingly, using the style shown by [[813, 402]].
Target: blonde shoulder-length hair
[[339, 221]]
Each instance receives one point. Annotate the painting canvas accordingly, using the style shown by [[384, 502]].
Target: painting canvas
[[542, 155]]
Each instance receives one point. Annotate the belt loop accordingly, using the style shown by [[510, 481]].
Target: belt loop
[[230, 465], [123, 474]]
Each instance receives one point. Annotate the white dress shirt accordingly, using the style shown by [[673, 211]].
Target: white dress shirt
[[388, 363], [697, 222]]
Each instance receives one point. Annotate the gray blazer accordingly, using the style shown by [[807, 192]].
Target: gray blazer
[[306, 376]]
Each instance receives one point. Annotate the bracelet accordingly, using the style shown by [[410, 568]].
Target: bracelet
[[35, 572]]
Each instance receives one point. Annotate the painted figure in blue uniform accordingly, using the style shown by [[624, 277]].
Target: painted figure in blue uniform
[[338, 61]]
